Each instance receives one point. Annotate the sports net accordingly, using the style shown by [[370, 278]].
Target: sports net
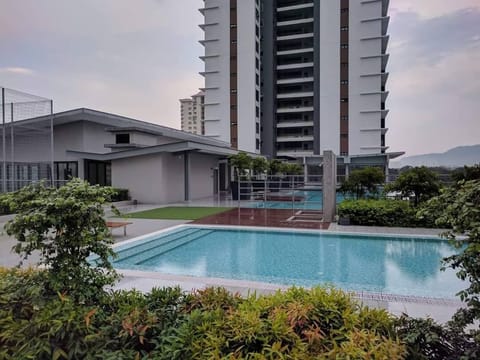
[[26, 146]]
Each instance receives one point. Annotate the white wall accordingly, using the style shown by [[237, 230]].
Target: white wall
[[95, 137], [217, 108], [142, 176], [159, 179], [201, 175], [360, 140], [246, 75], [329, 76], [143, 139]]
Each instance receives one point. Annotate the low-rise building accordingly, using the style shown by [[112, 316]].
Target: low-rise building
[[157, 164]]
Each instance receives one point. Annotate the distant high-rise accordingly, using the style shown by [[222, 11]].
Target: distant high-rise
[[292, 78], [192, 114]]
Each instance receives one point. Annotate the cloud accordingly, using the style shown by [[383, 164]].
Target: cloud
[[430, 8], [415, 39], [17, 70], [433, 88]]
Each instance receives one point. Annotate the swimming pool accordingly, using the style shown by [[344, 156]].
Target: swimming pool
[[311, 200], [394, 265]]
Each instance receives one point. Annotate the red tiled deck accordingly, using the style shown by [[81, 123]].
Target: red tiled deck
[[260, 217]]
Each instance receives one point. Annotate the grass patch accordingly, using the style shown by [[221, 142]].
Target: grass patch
[[177, 213]]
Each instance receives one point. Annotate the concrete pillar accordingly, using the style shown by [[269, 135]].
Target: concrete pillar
[[305, 170], [329, 188], [186, 172]]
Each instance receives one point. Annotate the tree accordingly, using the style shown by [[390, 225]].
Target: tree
[[363, 181], [291, 168], [66, 226], [419, 182], [467, 173], [275, 167], [459, 207], [242, 162], [259, 165]]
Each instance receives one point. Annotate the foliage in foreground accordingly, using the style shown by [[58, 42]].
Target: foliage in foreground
[[208, 324], [459, 207], [374, 212], [65, 226]]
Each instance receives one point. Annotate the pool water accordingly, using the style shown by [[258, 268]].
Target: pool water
[[394, 265], [312, 200]]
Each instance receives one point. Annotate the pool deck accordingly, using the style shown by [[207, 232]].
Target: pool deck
[[439, 309], [278, 218]]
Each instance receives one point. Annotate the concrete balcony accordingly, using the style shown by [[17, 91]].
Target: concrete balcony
[[295, 22], [295, 80], [295, 37], [382, 131], [204, 26], [384, 113], [205, 9], [294, 138], [295, 95], [384, 58], [295, 52], [384, 94], [295, 7], [294, 109], [384, 76], [295, 153], [375, 147], [294, 124], [295, 66], [384, 19]]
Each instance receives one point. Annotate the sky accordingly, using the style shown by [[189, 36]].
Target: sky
[[138, 58]]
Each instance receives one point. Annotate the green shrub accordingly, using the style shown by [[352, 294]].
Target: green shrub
[[120, 195], [65, 226], [427, 340], [207, 324], [382, 213]]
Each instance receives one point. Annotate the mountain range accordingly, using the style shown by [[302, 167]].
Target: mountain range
[[456, 157]]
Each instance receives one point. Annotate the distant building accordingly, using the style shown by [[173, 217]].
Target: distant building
[[193, 114]]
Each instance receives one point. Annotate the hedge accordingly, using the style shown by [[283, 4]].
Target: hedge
[[208, 324], [374, 212]]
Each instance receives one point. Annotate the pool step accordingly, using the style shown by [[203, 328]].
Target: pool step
[[153, 243], [163, 245], [173, 245]]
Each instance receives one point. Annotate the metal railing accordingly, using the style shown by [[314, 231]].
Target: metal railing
[[279, 192]]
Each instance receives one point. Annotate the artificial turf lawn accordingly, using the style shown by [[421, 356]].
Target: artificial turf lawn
[[177, 213]]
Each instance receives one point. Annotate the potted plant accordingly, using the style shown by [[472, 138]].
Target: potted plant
[[259, 166], [241, 163], [274, 168]]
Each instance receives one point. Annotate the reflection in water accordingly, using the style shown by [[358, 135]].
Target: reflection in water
[[394, 265]]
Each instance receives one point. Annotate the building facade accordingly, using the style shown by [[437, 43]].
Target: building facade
[[232, 72], [192, 114], [293, 78], [157, 164]]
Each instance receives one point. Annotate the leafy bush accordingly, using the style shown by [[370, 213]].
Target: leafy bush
[[373, 212], [120, 195], [207, 324], [363, 182], [65, 226], [427, 340], [459, 207], [419, 182]]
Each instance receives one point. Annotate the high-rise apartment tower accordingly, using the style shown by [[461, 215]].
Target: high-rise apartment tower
[[296, 77], [192, 114]]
